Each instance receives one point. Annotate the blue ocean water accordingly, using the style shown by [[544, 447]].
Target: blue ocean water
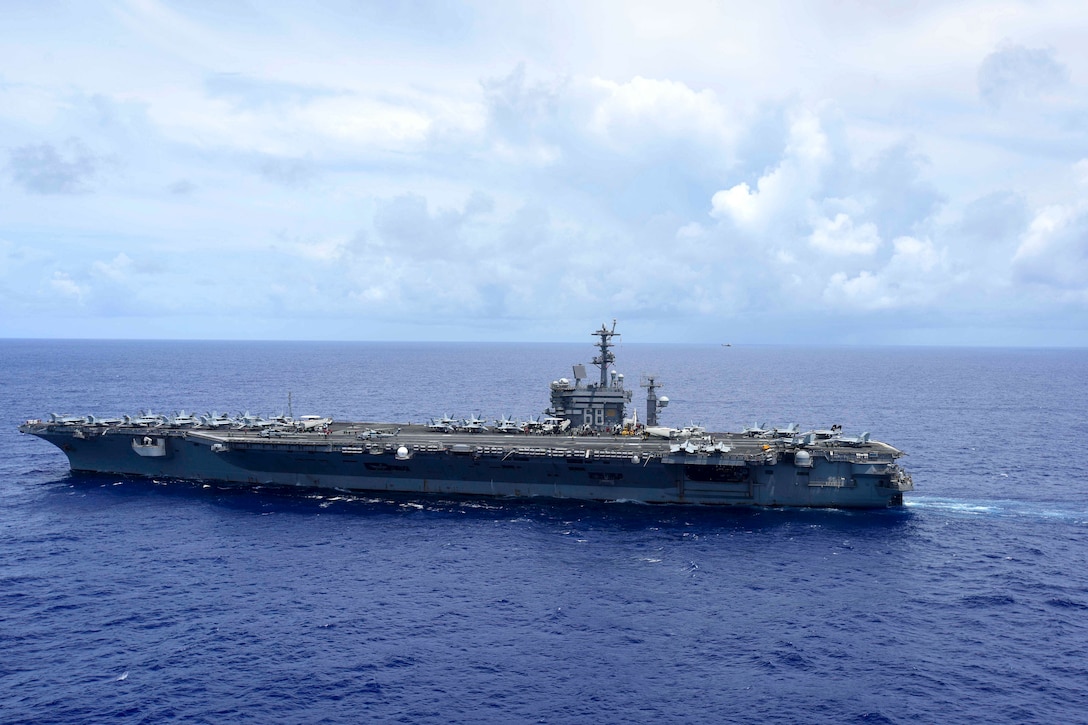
[[157, 601]]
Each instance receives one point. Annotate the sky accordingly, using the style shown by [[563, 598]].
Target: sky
[[828, 172]]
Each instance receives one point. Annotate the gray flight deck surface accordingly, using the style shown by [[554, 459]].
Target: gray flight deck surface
[[585, 448]]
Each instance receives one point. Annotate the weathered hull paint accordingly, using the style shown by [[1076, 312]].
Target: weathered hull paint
[[607, 468]]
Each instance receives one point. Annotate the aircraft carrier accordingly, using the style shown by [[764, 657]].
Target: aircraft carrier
[[585, 447]]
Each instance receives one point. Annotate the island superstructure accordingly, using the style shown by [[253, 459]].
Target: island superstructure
[[585, 447]]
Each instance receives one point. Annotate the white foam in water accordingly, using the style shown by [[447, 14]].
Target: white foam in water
[[999, 508], [949, 505]]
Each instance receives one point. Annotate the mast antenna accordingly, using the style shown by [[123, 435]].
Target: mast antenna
[[653, 403], [606, 358]]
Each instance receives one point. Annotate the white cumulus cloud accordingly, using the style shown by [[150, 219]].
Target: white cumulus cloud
[[646, 108], [839, 236], [483, 166], [785, 189], [63, 284], [1054, 250], [912, 278]]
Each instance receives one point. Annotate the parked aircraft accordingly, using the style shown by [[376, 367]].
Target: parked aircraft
[[508, 425], [475, 424], [146, 419], [756, 430], [93, 420], [67, 419], [182, 419], [445, 424], [552, 424], [372, 433], [787, 432], [312, 422], [216, 420]]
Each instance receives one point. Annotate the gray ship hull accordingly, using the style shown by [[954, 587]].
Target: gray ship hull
[[717, 469], [585, 448]]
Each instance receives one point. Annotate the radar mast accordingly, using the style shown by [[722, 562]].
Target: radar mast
[[605, 358], [653, 403], [592, 407]]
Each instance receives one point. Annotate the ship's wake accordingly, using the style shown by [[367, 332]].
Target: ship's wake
[[1053, 510]]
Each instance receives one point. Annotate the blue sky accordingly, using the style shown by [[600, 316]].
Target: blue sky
[[826, 172]]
